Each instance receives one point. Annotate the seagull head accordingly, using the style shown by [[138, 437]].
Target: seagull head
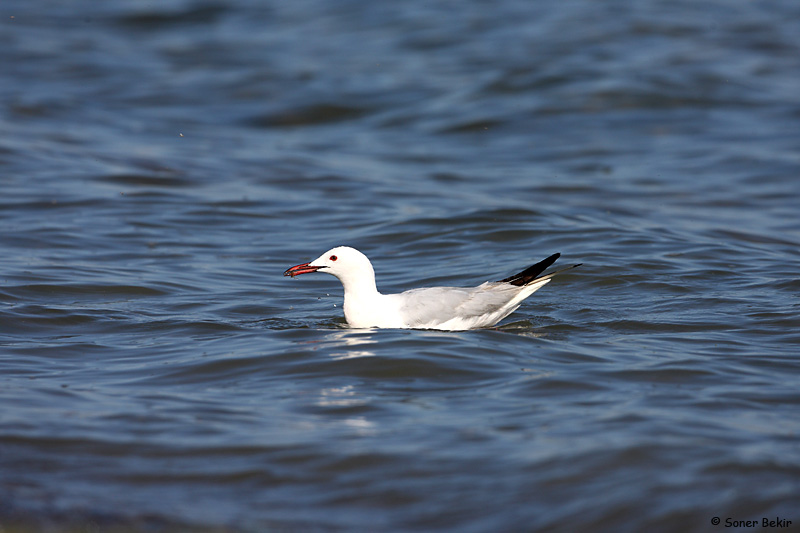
[[347, 264]]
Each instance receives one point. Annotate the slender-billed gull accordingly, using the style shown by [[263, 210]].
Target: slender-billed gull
[[445, 308]]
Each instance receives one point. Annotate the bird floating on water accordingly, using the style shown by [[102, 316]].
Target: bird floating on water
[[444, 308]]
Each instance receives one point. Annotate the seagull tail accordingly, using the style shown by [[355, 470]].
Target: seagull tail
[[532, 273]]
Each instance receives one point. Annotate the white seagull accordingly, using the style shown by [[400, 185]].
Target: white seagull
[[445, 308]]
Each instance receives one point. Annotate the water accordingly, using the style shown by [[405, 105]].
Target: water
[[161, 164]]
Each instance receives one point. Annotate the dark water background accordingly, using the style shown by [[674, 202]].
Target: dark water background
[[162, 163]]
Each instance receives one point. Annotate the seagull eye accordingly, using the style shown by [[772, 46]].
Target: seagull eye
[[333, 258]]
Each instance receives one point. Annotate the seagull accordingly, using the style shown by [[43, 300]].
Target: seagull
[[443, 308]]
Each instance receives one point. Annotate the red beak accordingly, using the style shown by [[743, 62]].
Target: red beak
[[304, 268]]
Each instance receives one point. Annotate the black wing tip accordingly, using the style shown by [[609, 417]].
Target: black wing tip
[[532, 272]]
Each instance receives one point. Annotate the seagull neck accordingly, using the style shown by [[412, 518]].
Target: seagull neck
[[361, 286]]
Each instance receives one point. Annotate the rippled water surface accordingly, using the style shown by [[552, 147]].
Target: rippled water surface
[[162, 163]]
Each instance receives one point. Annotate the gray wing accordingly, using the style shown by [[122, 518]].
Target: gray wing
[[435, 305]]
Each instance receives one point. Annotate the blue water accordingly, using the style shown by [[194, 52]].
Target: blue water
[[161, 165]]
